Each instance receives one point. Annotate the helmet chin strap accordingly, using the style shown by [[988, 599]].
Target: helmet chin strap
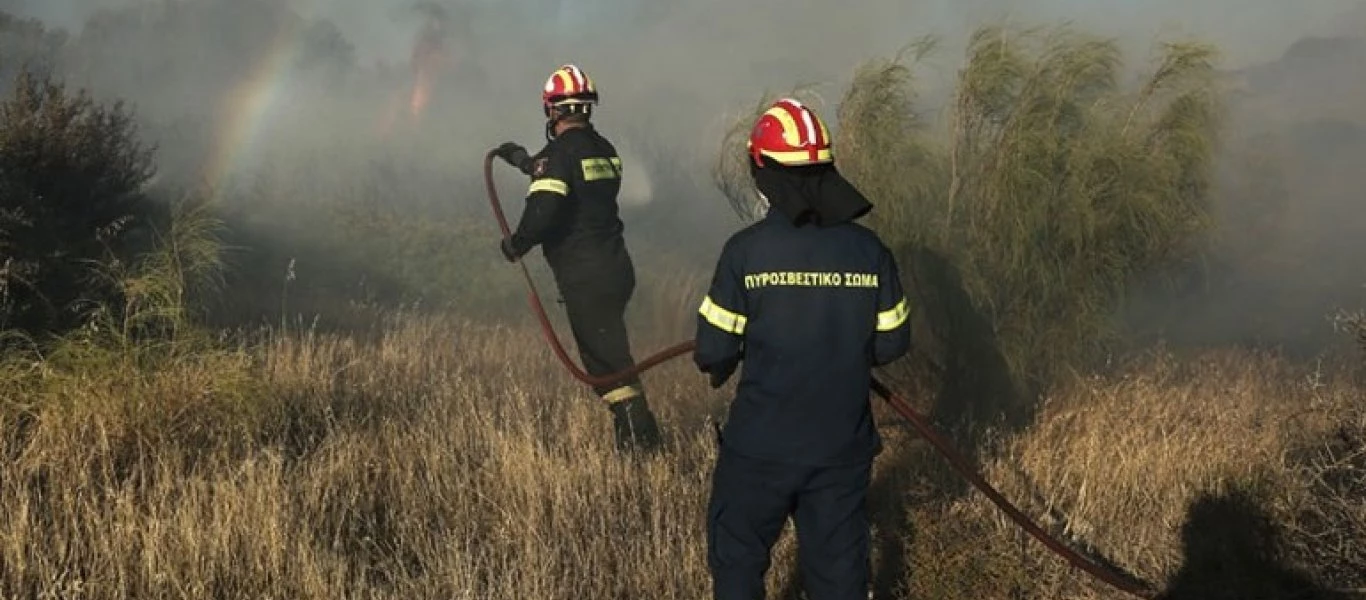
[[556, 114], [553, 116]]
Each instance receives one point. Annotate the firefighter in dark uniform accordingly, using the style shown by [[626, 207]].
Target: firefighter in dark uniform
[[810, 302], [572, 213]]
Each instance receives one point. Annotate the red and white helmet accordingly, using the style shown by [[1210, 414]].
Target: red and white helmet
[[570, 88], [790, 134]]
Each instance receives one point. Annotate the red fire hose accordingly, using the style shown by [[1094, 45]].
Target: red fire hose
[[899, 404]]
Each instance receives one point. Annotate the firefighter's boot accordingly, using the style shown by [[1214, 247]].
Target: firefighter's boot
[[635, 426]]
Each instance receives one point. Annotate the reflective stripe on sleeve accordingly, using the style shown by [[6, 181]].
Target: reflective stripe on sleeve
[[721, 318], [893, 317], [554, 186]]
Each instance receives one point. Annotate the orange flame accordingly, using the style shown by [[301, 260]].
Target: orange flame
[[427, 59], [422, 94]]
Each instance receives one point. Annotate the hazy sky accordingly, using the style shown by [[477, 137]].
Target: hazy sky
[[1257, 29]]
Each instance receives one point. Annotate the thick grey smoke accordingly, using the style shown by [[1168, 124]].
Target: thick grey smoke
[[679, 66], [1292, 236], [428, 86]]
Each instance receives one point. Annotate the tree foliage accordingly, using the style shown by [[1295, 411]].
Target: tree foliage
[[72, 173]]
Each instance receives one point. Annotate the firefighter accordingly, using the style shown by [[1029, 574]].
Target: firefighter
[[810, 302], [571, 212]]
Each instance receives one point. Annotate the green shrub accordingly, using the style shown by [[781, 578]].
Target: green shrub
[[72, 174]]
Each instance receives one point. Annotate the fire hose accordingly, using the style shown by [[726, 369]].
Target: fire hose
[[918, 422]]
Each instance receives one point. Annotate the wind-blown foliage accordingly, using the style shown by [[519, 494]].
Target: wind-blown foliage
[[1050, 186]]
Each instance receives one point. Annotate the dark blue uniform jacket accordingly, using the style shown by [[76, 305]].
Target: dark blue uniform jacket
[[572, 213], [809, 311]]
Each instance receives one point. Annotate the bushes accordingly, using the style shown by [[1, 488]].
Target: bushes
[[1060, 187], [72, 174]]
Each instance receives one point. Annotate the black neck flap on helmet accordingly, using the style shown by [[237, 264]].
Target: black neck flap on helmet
[[816, 194]]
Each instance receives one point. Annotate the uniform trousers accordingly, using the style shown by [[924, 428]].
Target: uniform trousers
[[751, 500]]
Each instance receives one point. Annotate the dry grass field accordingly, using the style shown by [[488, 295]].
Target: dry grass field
[[441, 458]]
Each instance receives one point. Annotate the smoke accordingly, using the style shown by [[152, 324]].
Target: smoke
[[680, 68], [425, 88], [1290, 239]]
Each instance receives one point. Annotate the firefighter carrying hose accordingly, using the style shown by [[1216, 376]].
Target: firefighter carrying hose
[[810, 302], [571, 212]]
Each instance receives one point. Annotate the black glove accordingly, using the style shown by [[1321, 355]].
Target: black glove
[[515, 155], [509, 252]]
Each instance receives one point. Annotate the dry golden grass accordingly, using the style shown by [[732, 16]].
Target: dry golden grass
[[1115, 465], [450, 459], [443, 460]]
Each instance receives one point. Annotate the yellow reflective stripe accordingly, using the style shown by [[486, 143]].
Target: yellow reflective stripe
[[621, 394], [791, 134], [601, 168], [799, 156], [567, 82], [721, 318], [893, 317], [549, 185]]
